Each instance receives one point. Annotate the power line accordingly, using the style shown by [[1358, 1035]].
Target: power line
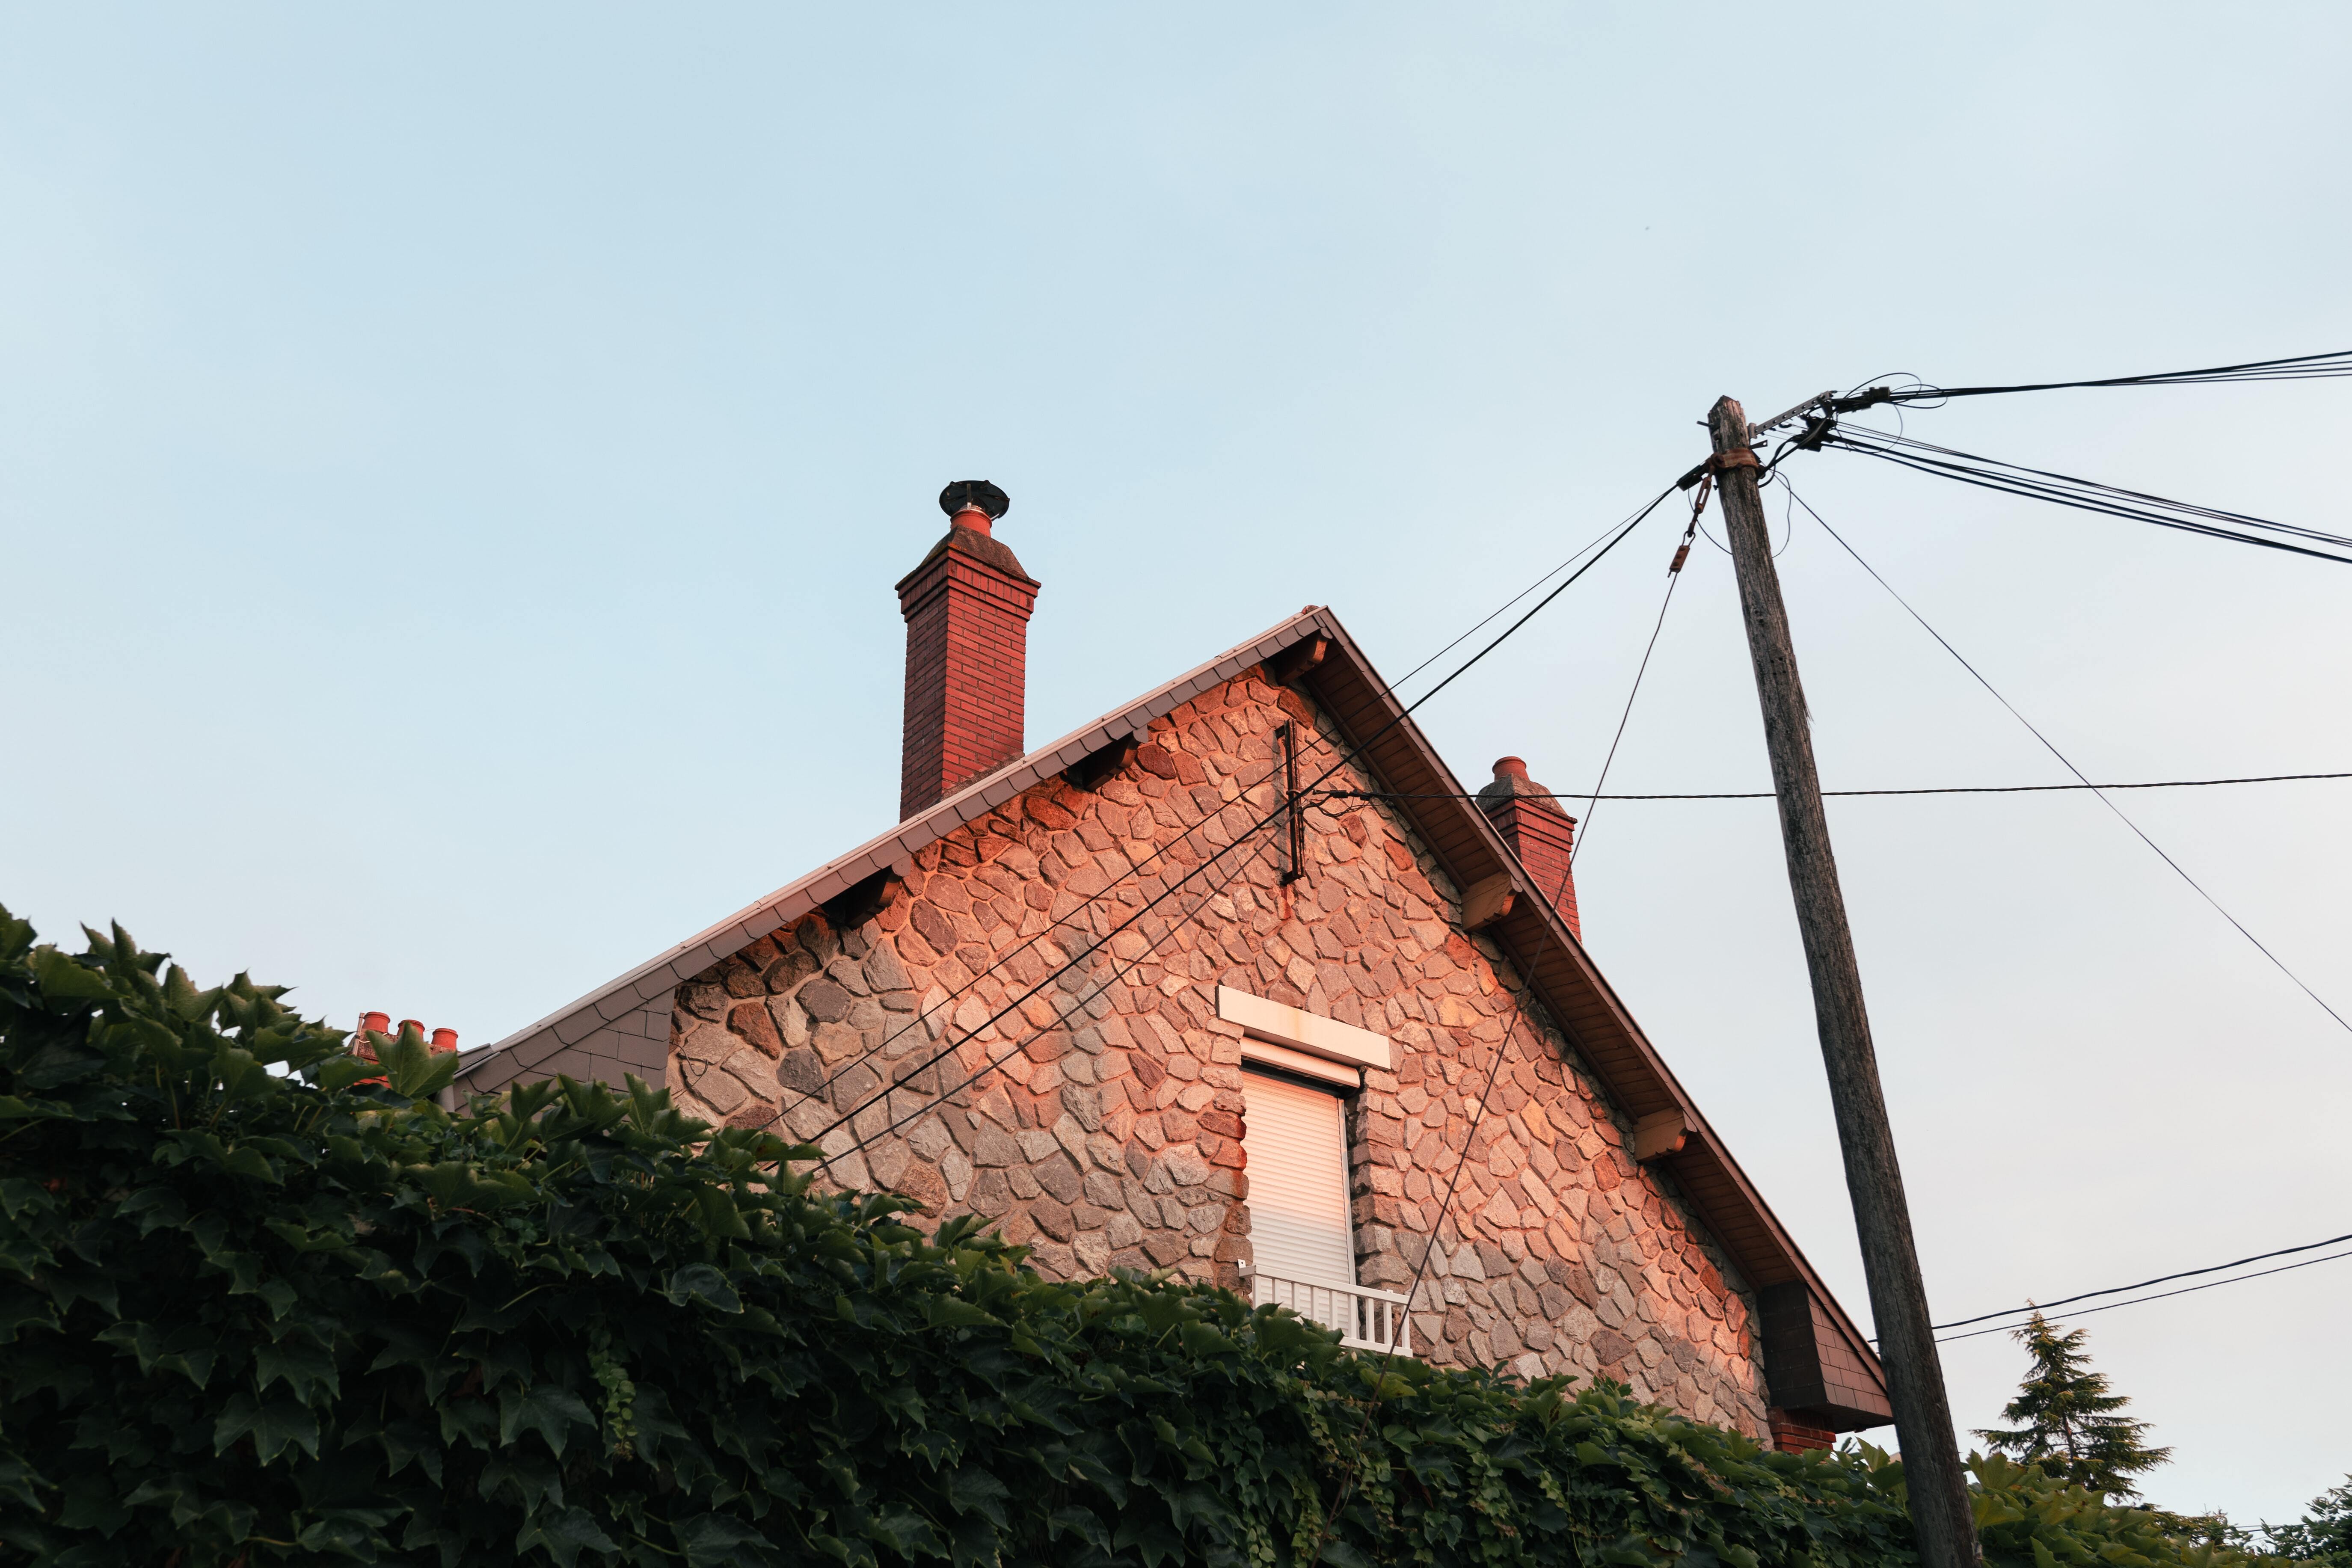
[[2144, 1284], [847, 1118], [1674, 579], [2301, 367], [2184, 1291], [1618, 531], [1766, 794], [991, 1063], [1921, 393], [2071, 768], [889, 1086], [1506, 604], [2085, 495]]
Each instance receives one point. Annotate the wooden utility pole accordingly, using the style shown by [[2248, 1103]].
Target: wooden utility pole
[[1941, 1518]]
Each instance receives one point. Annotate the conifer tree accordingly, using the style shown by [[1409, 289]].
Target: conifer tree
[[2324, 1535], [2067, 1420]]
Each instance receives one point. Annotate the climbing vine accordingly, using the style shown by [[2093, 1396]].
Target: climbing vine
[[263, 1302]]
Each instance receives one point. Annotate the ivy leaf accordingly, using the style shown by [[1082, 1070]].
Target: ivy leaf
[[55, 1063], [18, 1481], [701, 1282], [715, 1208], [1147, 1530], [244, 1160], [529, 1478], [153, 1208], [1203, 1340], [345, 1532], [565, 1536], [972, 1488], [414, 1069], [304, 1368], [906, 1532], [470, 1421], [951, 1312], [241, 1074], [63, 980], [548, 1410], [716, 1540], [272, 1427]]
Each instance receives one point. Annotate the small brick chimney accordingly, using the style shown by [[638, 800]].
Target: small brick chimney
[[966, 609], [363, 1048], [1537, 830]]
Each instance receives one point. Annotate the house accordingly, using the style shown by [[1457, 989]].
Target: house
[[1239, 982]]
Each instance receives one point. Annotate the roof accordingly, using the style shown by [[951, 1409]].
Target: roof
[[624, 1026], [625, 1022]]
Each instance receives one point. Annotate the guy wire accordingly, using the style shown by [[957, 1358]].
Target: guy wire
[[1673, 578], [1389, 689], [2080, 777], [1342, 761]]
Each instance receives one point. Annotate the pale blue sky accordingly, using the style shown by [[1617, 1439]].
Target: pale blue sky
[[453, 464]]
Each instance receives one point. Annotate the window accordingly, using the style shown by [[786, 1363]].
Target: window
[[1297, 1140]]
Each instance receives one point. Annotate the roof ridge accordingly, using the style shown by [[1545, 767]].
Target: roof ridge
[[896, 844]]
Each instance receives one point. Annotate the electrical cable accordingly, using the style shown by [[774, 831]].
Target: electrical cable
[[1499, 609], [2184, 1291], [2301, 367], [847, 1117], [1404, 1317], [1673, 580], [2080, 777], [1827, 793], [2085, 495], [2144, 1284], [991, 1062], [1618, 529]]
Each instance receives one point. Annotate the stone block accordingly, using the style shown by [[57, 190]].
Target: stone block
[[1059, 1176], [749, 1021], [721, 1091], [837, 1043], [757, 1113]]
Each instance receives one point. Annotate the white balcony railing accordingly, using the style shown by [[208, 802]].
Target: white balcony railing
[[1367, 1320]]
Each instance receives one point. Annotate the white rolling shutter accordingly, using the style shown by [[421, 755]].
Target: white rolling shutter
[[1296, 1139]]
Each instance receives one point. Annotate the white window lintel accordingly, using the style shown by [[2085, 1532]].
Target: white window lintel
[[1304, 1031]]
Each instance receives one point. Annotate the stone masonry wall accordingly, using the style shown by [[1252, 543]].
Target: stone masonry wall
[[1109, 1129]]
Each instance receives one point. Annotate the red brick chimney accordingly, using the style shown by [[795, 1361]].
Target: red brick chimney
[[1537, 830], [966, 609]]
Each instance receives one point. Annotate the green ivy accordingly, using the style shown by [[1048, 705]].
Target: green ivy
[[256, 1308]]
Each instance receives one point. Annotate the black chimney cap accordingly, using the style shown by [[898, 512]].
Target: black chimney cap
[[975, 493]]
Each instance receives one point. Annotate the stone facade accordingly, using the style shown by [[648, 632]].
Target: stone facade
[[949, 1048]]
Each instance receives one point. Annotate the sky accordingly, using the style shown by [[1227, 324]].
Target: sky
[[454, 464]]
